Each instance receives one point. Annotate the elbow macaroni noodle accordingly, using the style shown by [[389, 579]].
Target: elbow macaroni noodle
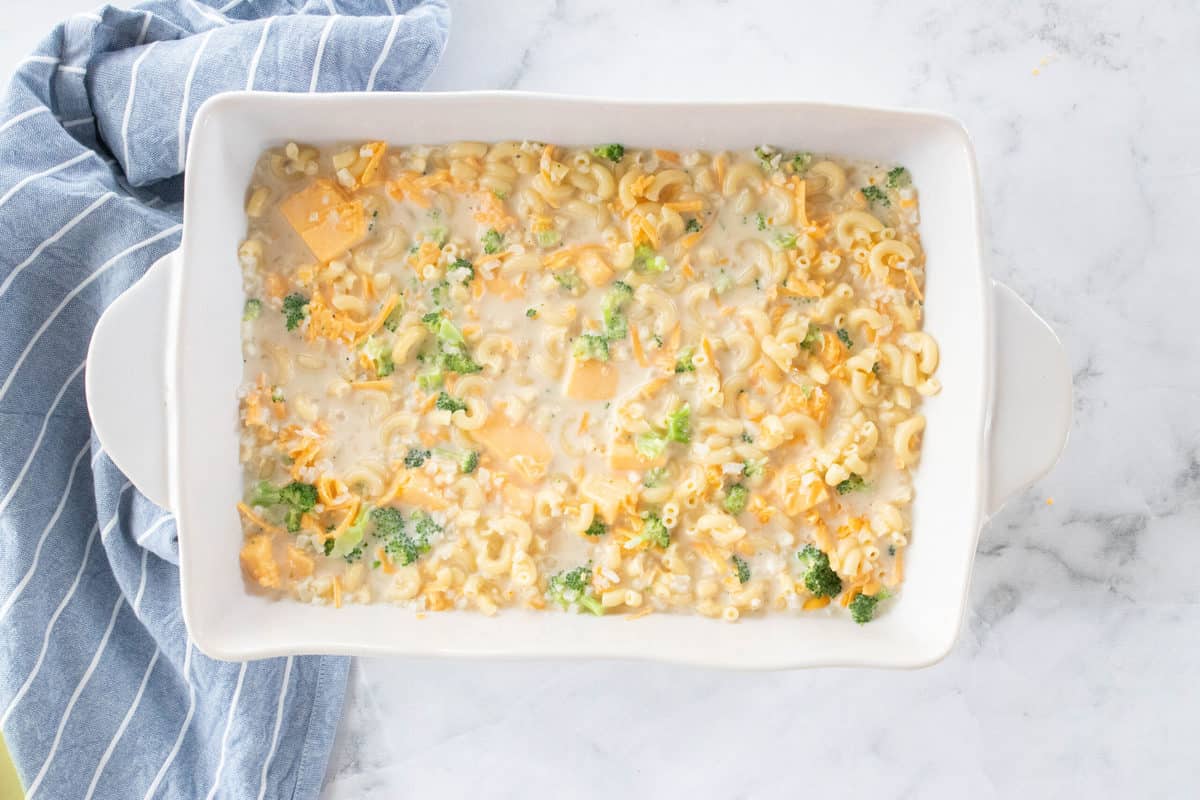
[[472, 368]]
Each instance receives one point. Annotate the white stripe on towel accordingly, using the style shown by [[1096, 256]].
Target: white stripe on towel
[[237, 692], [287, 674], [87, 676], [37, 251], [133, 73], [71, 296], [187, 98], [12, 491], [383, 54], [28, 179], [37, 551], [112, 745], [316, 73]]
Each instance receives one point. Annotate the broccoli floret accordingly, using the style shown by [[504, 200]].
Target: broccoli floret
[[404, 547], [568, 280], [432, 321], [760, 221], [876, 195], [852, 484], [348, 543], [292, 519], [812, 337], [295, 309], [252, 309], [613, 152], [767, 157], [862, 607], [393, 319], [654, 477], [399, 544], [438, 293], [819, 577], [618, 294], [264, 495], [735, 499], [296, 496], [613, 306], [650, 445], [388, 521], [452, 356], [646, 260], [424, 528], [389, 526], [464, 265], [457, 362], [492, 241], [597, 528], [593, 346], [449, 334], [844, 336], [277, 394], [679, 424], [801, 162], [654, 531], [430, 379], [380, 355], [447, 403], [684, 362], [754, 467], [467, 460], [616, 327], [415, 457], [742, 568], [531, 313], [692, 226], [898, 178], [786, 240], [299, 495], [548, 238], [574, 587]]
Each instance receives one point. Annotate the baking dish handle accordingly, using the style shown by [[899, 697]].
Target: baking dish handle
[[1031, 412], [126, 380]]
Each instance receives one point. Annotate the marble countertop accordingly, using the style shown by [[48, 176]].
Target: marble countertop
[[1069, 675]]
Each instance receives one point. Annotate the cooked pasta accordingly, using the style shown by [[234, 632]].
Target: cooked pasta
[[491, 375]]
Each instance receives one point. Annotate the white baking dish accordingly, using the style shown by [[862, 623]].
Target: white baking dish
[[165, 363]]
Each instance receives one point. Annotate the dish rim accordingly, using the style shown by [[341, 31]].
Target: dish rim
[[931, 652]]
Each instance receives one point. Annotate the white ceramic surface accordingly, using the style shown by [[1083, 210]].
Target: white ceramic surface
[[203, 369]]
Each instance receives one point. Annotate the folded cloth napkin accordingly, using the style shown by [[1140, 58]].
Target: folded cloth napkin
[[102, 694]]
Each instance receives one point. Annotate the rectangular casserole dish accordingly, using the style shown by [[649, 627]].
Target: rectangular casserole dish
[[165, 364]]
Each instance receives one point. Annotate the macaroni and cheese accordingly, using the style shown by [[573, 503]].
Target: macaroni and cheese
[[599, 379]]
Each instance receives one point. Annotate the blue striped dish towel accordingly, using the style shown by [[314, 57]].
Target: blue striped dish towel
[[102, 694]]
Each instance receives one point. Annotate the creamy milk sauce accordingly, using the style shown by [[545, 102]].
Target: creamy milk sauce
[[672, 371]]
